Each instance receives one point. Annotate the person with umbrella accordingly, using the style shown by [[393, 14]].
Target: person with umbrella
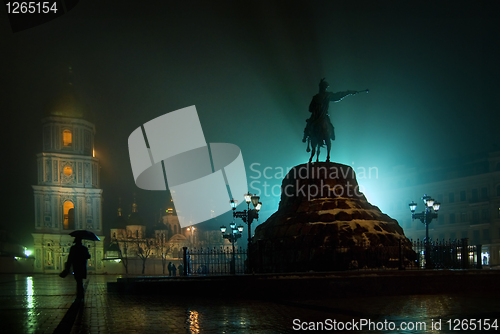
[[77, 258]]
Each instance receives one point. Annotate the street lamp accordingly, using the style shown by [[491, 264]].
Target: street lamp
[[248, 215], [426, 217], [191, 228], [233, 235]]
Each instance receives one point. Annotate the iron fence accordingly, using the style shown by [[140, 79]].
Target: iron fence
[[270, 258], [447, 254], [215, 261], [273, 258]]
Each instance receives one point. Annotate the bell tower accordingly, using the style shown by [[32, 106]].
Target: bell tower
[[67, 194]]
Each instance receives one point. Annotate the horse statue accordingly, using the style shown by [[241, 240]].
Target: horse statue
[[318, 133], [319, 130]]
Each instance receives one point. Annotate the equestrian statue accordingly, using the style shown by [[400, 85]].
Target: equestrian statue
[[319, 129]]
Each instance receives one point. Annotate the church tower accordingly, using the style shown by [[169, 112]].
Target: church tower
[[67, 194]]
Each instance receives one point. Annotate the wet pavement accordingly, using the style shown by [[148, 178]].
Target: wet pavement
[[45, 304]]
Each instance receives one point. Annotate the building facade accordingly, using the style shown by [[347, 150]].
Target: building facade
[[67, 195], [468, 189]]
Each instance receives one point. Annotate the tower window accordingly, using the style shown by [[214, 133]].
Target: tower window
[[68, 170], [67, 138], [69, 215]]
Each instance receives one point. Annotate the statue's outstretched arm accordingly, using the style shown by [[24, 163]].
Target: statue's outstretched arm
[[339, 96]]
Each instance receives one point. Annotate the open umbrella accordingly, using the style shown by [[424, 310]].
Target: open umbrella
[[84, 234]]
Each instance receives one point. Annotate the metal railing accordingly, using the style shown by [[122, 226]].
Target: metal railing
[[215, 261], [270, 258], [409, 255]]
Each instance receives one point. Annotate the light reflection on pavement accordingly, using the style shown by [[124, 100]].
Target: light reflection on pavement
[[37, 304]]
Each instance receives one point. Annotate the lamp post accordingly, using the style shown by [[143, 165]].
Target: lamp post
[[232, 236], [191, 228], [426, 217], [248, 215]]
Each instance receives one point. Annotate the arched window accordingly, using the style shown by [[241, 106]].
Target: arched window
[[69, 215], [67, 138]]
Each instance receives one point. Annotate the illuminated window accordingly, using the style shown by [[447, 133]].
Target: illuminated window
[[67, 138], [68, 171], [49, 258], [69, 215]]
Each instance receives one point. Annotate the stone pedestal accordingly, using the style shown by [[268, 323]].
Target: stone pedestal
[[324, 222]]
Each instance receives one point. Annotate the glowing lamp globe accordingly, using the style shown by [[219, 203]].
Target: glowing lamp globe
[[248, 197], [255, 200]]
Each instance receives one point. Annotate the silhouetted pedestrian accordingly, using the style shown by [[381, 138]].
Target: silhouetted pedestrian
[[77, 258], [181, 269], [174, 270], [170, 269]]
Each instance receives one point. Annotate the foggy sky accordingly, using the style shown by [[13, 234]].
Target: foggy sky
[[251, 68]]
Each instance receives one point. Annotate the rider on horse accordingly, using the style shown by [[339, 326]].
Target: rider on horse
[[319, 129], [319, 108]]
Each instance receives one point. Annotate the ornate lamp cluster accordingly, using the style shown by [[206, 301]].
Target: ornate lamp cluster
[[426, 217], [247, 216], [234, 234]]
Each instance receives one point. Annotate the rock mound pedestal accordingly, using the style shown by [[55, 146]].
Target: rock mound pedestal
[[325, 223]]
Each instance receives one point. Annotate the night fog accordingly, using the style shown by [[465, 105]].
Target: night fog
[[251, 69]]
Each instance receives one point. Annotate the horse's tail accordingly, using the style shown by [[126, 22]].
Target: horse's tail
[[308, 144]]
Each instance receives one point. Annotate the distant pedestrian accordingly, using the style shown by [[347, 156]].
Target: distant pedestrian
[[170, 269], [181, 269], [77, 259], [174, 270]]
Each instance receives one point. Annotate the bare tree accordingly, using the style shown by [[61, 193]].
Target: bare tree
[[124, 255], [144, 248], [163, 248]]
